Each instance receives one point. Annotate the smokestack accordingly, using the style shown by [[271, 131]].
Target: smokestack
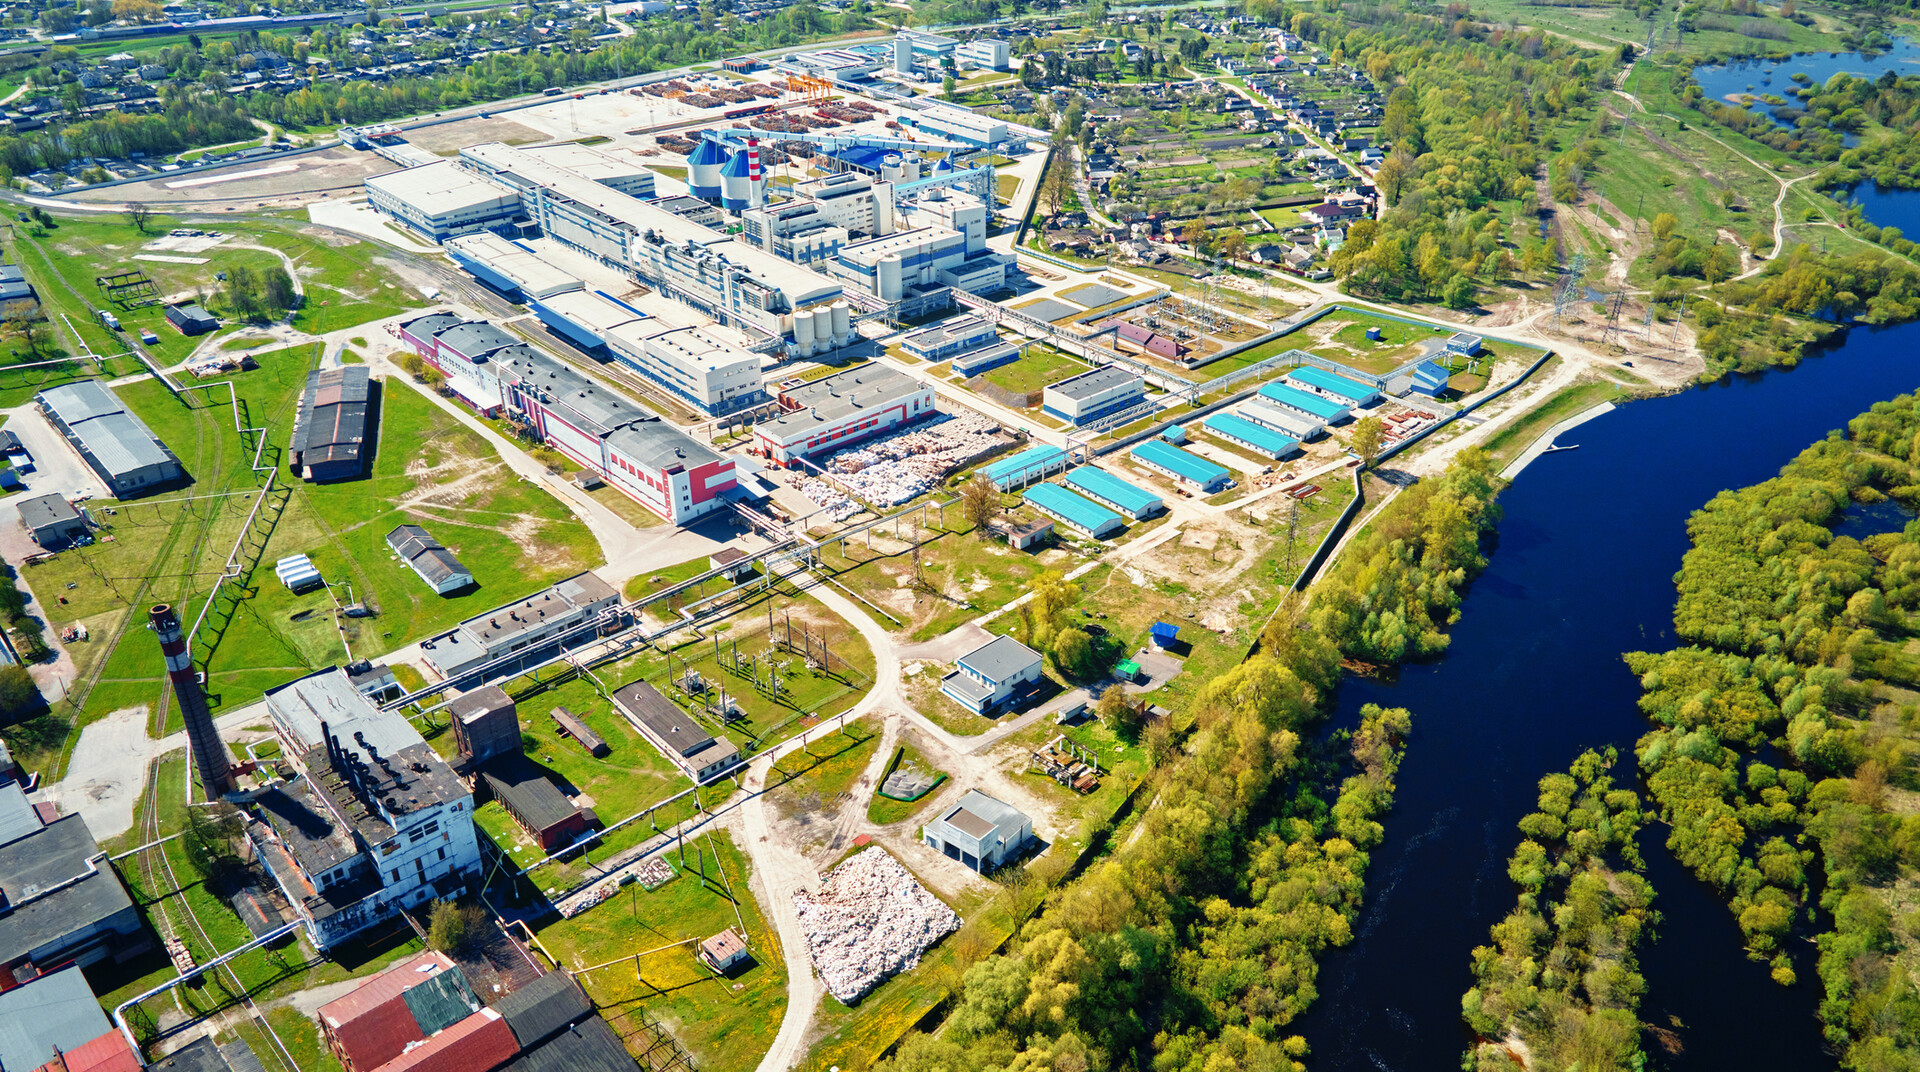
[[209, 754]]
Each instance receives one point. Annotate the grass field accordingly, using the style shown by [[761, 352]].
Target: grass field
[[428, 468], [971, 575], [1037, 369], [1513, 440], [886, 810], [724, 1022], [344, 286]]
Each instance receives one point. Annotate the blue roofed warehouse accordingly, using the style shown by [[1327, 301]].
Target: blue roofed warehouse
[[1109, 490], [1073, 511], [1169, 460], [1255, 437], [1034, 463], [1329, 385]]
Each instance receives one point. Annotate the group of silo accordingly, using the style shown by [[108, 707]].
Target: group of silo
[[817, 330], [733, 179]]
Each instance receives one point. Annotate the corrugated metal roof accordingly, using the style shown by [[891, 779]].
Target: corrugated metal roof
[[56, 1009], [1327, 381], [1064, 504], [481, 1041], [1324, 408], [373, 1023], [543, 1007], [443, 1000], [112, 435], [1085, 385], [1190, 466], [589, 1046], [1258, 436], [1133, 499], [1042, 458]]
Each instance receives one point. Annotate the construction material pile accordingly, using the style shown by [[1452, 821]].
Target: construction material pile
[[831, 499], [869, 920], [903, 466]]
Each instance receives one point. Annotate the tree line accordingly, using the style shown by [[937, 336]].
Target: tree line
[[1193, 945], [1785, 733]]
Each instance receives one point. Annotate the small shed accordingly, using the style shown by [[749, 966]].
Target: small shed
[[1165, 634], [190, 319], [734, 561], [588, 480], [582, 734], [1464, 344], [1128, 670], [724, 951], [1174, 434]]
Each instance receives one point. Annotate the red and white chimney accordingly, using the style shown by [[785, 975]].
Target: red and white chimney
[[755, 195]]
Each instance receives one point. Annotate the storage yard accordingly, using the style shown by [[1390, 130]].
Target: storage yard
[[901, 467], [869, 919]]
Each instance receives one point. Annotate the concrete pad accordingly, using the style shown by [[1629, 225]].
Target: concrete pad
[[107, 773]]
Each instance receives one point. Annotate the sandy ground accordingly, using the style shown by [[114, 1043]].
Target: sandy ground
[[312, 177], [107, 773], [448, 139]]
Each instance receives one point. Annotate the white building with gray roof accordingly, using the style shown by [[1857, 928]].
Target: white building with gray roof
[[114, 443], [979, 831], [992, 675], [837, 411]]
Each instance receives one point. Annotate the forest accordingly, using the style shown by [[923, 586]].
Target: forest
[[1195, 944], [1785, 734], [1561, 977]]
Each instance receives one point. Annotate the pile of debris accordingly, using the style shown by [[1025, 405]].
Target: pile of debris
[[906, 465], [831, 499], [870, 920]]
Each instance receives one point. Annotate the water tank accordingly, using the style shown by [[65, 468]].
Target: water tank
[[703, 170], [736, 189], [803, 332], [842, 323]]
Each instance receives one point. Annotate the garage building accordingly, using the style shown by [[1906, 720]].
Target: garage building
[[979, 831], [109, 438], [51, 520], [330, 425]]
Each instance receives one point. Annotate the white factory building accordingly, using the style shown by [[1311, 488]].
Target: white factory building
[[839, 411], [953, 123], [693, 363], [443, 199], [947, 245], [827, 213], [990, 54], [730, 282]]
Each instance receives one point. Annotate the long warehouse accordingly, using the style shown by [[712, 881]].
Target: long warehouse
[[114, 443], [1109, 490], [1254, 437], [1286, 422], [1071, 510], [1304, 402], [1169, 460], [330, 424], [1034, 463], [1339, 388]]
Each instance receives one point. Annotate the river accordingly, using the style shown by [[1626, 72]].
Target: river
[[1580, 571]]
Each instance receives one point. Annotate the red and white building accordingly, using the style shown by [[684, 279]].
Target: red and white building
[[646, 458], [839, 411]]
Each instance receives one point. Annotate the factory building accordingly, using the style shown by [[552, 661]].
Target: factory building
[[65, 903], [1288, 397], [443, 199], [840, 410], [647, 459], [695, 364], [728, 281], [1111, 491], [699, 754], [1093, 394], [873, 162], [932, 45], [1169, 460], [826, 214], [956, 336], [113, 442], [1249, 435], [331, 423], [691, 208], [584, 317], [509, 267], [1081, 515], [374, 822], [953, 123], [1286, 422], [987, 54], [571, 612], [1329, 385], [901, 266]]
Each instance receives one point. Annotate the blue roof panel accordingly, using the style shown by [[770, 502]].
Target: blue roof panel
[[1324, 408], [1258, 436], [1133, 500], [1033, 459], [1191, 466], [1327, 381], [1056, 500]]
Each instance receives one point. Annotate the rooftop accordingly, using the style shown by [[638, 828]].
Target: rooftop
[[1087, 384], [112, 434], [55, 1010], [872, 251], [442, 187], [978, 816], [43, 510], [1191, 466], [1324, 408], [1113, 489], [666, 722], [330, 423], [523, 268], [544, 1007], [964, 327], [54, 887], [499, 626], [592, 309], [1057, 500], [528, 794], [1336, 384], [1000, 658], [1240, 428], [589, 1046], [832, 397]]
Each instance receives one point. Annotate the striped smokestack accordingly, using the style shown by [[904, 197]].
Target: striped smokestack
[[753, 160], [209, 754]]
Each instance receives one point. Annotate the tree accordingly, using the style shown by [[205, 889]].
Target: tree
[[1663, 225], [452, 927], [1052, 598], [33, 332], [946, 87], [19, 696], [1121, 712], [1057, 185], [414, 365], [980, 503], [1073, 652], [138, 213], [1366, 438]]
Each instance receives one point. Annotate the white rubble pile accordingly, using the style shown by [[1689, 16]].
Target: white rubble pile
[[835, 501], [870, 919], [897, 468]]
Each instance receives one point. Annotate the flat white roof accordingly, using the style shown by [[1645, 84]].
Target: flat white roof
[[442, 187], [593, 163], [590, 310], [874, 250], [691, 347], [531, 273]]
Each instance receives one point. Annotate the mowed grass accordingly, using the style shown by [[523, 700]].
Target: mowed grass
[[1036, 370], [971, 576], [725, 1022], [428, 469], [344, 286]]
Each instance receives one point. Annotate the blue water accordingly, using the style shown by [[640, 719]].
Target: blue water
[[1581, 572], [1889, 208], [1762, 77]]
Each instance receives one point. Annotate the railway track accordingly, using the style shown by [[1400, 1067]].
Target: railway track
[[154, 877]]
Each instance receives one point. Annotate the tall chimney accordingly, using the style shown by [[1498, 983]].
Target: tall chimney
[[209, 754]]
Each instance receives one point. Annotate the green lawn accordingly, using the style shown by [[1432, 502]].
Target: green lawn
[[724, 1022], [1510, 442], [972, 576], [428, 469], [1040, 367], [886, 810]]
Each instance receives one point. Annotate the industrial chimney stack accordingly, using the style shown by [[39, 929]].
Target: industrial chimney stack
[[209, 753]]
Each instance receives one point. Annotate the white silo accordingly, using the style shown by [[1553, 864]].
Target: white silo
[[842, 324], [803, 332]]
